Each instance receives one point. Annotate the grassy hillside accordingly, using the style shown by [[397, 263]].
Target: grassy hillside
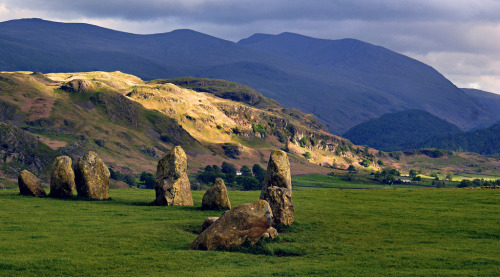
[[400, 130], [131, 123], [336, 232]]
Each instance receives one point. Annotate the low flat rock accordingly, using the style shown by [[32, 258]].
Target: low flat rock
[[234, 227], [30, 185]]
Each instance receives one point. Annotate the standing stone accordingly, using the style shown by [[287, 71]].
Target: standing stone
[[216, 197], [62, 178], [277, 188], [92, 177], [172, 184], [234, 227], [30, 185]]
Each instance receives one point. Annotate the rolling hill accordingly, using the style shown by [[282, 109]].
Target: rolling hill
[[130, 123], [342, 82]]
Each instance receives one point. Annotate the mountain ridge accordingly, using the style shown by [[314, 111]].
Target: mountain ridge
[[346, 84]]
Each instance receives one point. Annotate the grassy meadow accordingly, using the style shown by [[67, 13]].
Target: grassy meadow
[[417, 232]]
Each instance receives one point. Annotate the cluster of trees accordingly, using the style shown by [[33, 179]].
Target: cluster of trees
[[387, 176], [478, 183], [118, 176], [250, 179]]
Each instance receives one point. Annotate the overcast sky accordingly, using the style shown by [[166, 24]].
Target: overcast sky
[[460, 38]]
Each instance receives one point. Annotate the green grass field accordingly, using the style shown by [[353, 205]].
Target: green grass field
[[437, 232]]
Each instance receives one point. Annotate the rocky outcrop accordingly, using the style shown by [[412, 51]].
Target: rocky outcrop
[[277, 188], [62, 178], [248, 221], [77, 85], [30, 185], [216, 197], [232, 150], [92, 177], [172, 184]]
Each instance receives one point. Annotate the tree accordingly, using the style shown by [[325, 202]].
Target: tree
[[209, 168], [129, 180], [380, 162], [449, 176], [259, 173], [307, 155], [366, 163], [228, 168], [248, 183], [413, 173], [246, 171], [351, 168]]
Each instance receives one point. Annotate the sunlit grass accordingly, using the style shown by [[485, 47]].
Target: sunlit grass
[[336, 232]]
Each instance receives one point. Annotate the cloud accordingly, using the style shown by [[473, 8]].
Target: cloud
[[451, 35]]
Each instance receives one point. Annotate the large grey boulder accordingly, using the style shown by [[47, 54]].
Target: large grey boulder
[[92, 177], [62, 178], [30, 185], [172, 184], [216, 198], [277, 188], [248, 221]]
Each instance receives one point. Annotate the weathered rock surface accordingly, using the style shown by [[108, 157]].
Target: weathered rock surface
[[278, 171], [234, 227], [92, 177], [30, 185], [280, 200], [270, 233], [209, 221], [277, 188], [62, 178], [216, 197], [172, 184]]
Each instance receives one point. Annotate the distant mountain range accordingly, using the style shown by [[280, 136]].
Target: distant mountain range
[[343, 82]]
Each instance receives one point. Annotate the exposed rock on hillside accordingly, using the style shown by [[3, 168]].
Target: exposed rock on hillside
[[30, 185], [62, 178], [172, 184], [92, 177], [277, 188], [232, 150], [22, 150], [77, 85], [234, 227], [216, 197]]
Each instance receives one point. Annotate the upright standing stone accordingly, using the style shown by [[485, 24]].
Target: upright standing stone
[[234, 227], [92, 177], [172, 184], [216, 197], [62, 178], [277, 188], [30, 185]]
